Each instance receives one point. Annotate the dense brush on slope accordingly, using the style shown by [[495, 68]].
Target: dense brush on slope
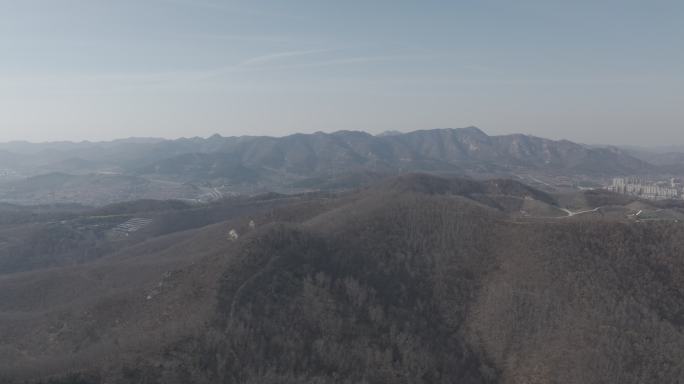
[[387, 307], [419, 280]]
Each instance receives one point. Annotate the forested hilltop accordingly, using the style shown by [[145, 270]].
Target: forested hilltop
[[416, 279]]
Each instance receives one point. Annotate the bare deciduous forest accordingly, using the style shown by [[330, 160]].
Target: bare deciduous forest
[[418, 279]]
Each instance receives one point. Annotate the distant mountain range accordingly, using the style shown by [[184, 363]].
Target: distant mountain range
[[322, 159], [671, 158]]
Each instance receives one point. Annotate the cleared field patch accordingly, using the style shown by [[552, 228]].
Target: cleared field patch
[[133, 225]]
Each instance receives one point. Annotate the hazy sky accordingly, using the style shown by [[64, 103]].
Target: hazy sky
[[608, 71]]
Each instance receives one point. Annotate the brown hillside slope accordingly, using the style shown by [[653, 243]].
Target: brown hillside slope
[[406, 284]]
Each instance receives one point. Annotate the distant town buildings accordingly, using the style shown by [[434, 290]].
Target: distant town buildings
[[635, 186]]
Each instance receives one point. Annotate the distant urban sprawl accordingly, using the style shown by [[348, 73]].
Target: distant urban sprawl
[[652, 190]]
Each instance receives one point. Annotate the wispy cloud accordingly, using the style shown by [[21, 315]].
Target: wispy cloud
[[344, 61], [112, 82], [278, 56], [222, 6], [200, 4], [237, 37]]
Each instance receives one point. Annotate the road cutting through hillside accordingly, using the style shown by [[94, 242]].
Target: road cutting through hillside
[[571, 213]]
